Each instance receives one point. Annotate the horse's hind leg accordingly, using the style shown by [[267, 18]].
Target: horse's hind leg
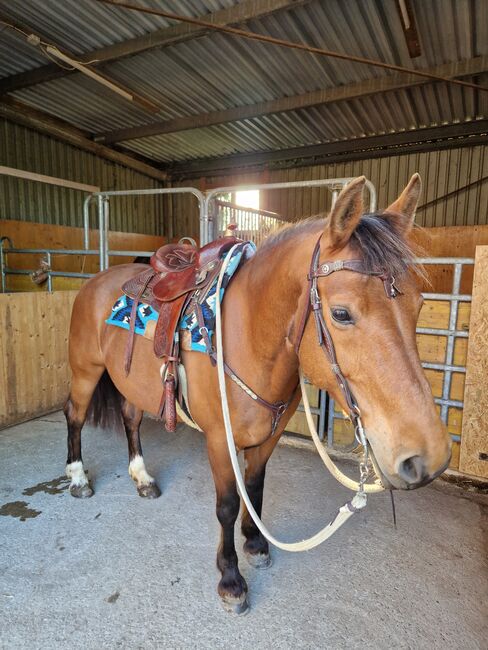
[[82, 387], [256, 547], [146, 485]]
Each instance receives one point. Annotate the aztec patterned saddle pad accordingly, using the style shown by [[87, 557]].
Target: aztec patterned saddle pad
[[147, 316]]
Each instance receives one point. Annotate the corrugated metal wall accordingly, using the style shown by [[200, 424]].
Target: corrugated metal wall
[[443, 173], [461, 174], [29, 150]]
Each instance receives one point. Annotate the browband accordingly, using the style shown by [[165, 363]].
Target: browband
[[357, 266]]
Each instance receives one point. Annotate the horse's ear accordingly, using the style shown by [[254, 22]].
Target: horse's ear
[[404, 208], [346, 213]]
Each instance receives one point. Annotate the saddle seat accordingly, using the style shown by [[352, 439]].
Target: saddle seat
[[179, 275], [183, 268], [177, 269]]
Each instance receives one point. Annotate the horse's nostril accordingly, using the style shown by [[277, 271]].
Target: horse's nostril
[[412, 470]]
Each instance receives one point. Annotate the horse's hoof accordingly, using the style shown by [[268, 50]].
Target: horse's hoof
[[150, 491], [237, 606], [81, 491], [259, 560]]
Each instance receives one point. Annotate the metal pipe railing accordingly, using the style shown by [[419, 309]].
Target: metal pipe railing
[[333, 184], [48, 253], [103, 211]]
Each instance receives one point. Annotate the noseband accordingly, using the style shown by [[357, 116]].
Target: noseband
[[314, 305]]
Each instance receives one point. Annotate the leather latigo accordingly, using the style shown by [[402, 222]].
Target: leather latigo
[[170, 404]]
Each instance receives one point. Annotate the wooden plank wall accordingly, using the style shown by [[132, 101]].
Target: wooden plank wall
[[33, 235], [33, 351], [474, 443], [458, 241]]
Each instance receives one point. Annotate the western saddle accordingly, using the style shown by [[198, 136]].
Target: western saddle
[[178, 281]]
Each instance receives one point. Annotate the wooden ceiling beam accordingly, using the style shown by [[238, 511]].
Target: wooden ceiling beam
[[384, 84], [240, 13], [20, 113], [409, 27], [369, 147]]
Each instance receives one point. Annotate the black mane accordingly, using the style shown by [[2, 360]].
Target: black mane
[[376, 241]]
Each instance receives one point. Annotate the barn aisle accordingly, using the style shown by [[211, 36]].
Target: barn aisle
[[118, 571]]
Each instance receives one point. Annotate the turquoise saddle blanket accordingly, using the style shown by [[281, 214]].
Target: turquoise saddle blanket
[[121, 310]]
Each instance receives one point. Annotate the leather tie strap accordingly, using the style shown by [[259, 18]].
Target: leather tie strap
[[129, 348]]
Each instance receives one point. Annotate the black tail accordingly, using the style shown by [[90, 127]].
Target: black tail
[[105, 408]]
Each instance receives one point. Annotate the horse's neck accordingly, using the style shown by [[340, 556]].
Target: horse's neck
[[261, 311]]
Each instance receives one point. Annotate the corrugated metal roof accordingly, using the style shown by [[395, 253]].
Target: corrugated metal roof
[[375, 115], [219, 71], [16, 55], [84, 25], [85, 103]]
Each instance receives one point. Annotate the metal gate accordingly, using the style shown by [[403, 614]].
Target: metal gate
[[248, 223]]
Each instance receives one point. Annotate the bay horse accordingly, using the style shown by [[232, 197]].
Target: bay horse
[[374, 339]]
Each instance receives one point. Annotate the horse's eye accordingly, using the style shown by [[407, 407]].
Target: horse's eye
[[341, 315]]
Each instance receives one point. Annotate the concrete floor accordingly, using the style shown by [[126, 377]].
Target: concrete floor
[[117, 571]]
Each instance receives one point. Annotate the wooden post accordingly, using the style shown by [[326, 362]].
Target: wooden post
[[474, 439]]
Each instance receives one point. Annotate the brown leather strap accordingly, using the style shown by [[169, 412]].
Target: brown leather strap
[[314, 305], [277, 408], [129, 348], [170, 405], [303, 319], [357, 266]]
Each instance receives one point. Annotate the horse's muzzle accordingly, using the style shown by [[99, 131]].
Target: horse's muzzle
[[411, 473]]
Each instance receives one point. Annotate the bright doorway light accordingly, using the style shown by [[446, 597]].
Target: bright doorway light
[[248, 199]]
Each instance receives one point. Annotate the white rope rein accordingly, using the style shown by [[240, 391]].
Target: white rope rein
[[345, 512], [369, 488]]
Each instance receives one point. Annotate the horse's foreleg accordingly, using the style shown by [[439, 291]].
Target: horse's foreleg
[[232, 587], [146, 485], [256, 547], [82, 386]]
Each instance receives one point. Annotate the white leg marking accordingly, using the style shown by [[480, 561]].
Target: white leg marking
[[76, 473], [137, 471]]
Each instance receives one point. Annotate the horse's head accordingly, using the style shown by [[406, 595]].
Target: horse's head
[[374, 337]]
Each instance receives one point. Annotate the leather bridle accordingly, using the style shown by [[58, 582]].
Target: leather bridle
[[314, 305]]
